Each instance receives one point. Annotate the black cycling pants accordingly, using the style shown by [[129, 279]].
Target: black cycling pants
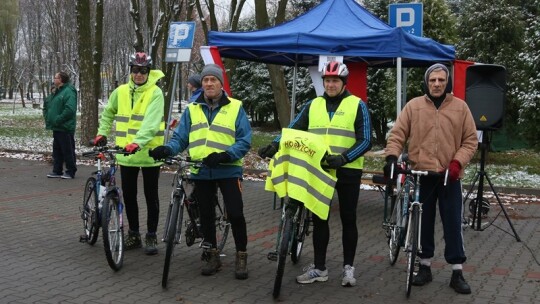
[[129, 177]]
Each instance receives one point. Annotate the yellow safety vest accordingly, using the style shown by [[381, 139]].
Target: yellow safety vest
[[128, 123], [296, 171], [339, 133], [217, 137]]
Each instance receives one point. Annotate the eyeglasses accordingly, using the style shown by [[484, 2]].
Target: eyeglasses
[[140, 70]]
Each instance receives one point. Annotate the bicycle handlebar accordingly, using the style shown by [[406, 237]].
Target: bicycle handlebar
[[182, 159], [399, 170], [96, 150]]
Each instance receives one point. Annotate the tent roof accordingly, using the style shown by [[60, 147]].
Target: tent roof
[[334, 27]]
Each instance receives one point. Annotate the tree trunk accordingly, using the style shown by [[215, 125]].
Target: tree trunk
[[89, 102], [98, 50]]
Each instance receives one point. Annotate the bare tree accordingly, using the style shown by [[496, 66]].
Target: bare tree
[[89, 102]]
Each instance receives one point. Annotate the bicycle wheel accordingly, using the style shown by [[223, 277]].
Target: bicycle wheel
[[301, 229], [222, 224], [397, 220], [113, 231], [89, 212], [412, 252], [283, 250], [174, 228]]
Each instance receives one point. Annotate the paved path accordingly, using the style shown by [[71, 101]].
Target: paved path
[[42, 260]]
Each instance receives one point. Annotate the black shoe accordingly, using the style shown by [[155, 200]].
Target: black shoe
[[423, 276], [458, 282], [54, 175]]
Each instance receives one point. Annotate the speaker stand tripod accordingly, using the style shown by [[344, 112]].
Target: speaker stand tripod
[[479, 177]]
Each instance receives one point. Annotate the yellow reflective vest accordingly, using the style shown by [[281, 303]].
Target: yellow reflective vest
[[128, 123], [296, 171], [217, 137], [338, 133]]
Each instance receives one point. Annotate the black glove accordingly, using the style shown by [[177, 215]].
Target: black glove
[[100, 141], [215, 158], [160, 152], [391, 160], [267, 151], [335, 161]]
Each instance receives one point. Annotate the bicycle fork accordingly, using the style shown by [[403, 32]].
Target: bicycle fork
[[408, 236], [273, 255]]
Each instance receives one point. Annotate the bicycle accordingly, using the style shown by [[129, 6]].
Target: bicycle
[[403, 224], [103, 206], [293, 228], [182, 198]]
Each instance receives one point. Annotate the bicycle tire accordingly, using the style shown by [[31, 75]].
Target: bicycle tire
[[397, 224], [301, 229], [113, 231], [89, 212], [174, 227], [411, 254], [222, 224], [283, 250]]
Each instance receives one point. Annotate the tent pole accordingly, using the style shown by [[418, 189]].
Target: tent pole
[[293, 102], [398, 87]]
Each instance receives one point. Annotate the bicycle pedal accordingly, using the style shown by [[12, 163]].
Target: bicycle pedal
[[83, 239], [272, 256]]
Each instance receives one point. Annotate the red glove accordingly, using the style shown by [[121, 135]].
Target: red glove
[[131, 148], [453, 170], [100, 140]]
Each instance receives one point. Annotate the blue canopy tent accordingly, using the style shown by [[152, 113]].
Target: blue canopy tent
[[334, 27]]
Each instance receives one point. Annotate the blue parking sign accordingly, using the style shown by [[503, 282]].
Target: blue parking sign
[[408, 16], [181, 35]]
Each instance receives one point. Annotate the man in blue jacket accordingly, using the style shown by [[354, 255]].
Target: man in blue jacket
[[215, 129]]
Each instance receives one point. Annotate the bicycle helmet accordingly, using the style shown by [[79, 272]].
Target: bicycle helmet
[[335, 68], [140, 59]]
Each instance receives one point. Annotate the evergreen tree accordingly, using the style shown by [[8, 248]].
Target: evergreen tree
[[492, 32], [528, 88]]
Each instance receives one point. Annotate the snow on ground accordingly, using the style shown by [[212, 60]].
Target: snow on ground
[[39, 147]]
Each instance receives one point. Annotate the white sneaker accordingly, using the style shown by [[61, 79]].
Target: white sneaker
[[312, 275], [348, 276]]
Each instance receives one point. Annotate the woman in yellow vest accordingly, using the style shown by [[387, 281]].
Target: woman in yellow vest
[[215, 129], [343, 120], [138, 109]]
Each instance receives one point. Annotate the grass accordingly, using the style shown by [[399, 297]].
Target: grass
[[23, 129]]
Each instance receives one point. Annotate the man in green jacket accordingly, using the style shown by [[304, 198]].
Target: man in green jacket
[[60, 113]]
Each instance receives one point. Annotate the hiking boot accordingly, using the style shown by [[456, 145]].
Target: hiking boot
[[241, 271], [423, 276], [348, 279], [312, 275], [151, 244], [458, 283], [212, 263], [54, 175], [133, 240]]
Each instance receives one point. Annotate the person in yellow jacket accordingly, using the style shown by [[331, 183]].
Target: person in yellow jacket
[[138, 108], [215, 129], [343, 120]]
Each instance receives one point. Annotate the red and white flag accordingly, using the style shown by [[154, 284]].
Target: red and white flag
[[210, 54]]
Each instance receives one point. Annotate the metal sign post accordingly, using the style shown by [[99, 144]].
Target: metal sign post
[[179, 45], [408, 16]]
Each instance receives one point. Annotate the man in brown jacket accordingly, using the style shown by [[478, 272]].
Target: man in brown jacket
[[440, 133]]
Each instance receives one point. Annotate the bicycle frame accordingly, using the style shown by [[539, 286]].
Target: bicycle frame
[[108, 207]]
